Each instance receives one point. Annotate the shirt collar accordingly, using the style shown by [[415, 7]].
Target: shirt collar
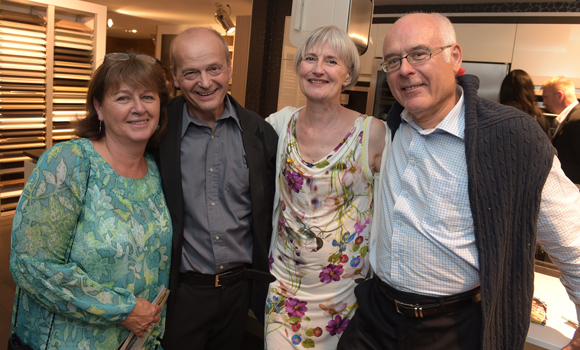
[[562, 116], [453, 123], [229, 112]]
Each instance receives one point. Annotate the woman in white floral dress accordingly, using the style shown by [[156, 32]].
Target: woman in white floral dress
[[327, 158]]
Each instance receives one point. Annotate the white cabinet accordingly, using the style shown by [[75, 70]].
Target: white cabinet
[[382, 29], [486, 42], [289, 93], [547, 50]]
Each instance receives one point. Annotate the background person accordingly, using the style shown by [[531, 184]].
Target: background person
[[517, 90], [327, 158], [559, 96], [91, 238], [217, 164], [468, 186]]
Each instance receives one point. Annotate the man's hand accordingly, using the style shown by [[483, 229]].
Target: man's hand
[[140, 319], [574, 344]]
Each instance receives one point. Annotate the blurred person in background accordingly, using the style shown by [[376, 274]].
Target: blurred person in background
[[559, 96], [517, 90]]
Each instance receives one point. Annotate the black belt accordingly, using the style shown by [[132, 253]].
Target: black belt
[[447, 304], [228, 277]]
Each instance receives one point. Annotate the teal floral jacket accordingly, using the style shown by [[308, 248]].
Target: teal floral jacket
[[86, 242]]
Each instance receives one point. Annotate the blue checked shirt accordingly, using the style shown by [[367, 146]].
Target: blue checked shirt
[[426, 243]]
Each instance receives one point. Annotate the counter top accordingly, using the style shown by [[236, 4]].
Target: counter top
[[34, 153], [556, 333]]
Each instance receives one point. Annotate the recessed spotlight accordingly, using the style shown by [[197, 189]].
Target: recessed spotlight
[[110, 23], [130, 30]]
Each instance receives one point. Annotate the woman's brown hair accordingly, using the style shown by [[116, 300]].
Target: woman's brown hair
[[135, 72]]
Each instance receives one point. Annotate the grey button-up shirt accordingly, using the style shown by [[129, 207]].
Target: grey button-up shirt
[[216, 192]]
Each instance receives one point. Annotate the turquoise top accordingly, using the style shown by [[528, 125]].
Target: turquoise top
[[120, 231]]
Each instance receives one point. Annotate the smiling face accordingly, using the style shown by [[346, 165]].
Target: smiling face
[[130, 115], [322, 75], [427, 89], [202, 72]]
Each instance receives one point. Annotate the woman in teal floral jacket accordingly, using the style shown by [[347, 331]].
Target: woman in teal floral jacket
[[91, 237]]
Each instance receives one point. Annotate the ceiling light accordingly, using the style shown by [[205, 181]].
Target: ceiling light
[[224, 19], [110, 23], [130, 30]]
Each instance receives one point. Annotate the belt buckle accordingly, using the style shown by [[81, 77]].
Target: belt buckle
[[418, 309], [217, 278]]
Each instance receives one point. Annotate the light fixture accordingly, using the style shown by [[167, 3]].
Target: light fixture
[[224, 19], [130, 30], [110, 23]]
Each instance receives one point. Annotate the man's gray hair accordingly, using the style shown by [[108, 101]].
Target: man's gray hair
[[561, 83]]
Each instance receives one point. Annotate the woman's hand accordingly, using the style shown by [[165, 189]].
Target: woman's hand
[[140, 319]]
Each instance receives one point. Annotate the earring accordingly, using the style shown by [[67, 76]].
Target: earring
[[100, 125], [158, 127]]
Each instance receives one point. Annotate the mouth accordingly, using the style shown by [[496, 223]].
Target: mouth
[[139, 122], [411, 88], [205, 94], [317, 81]]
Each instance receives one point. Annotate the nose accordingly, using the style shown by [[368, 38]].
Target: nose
[[138, 106], [318, 67], [204, 80], [406, 67]]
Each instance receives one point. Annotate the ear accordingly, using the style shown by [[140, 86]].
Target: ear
[[561, 97], [175, 79], [456, 57], [98, 108], [348, 79]]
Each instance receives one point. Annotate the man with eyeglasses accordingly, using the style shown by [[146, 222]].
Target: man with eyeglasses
[[559, 96], [467, 186], [217, 163]]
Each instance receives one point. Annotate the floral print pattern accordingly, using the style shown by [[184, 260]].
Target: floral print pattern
[[120, 233], [320, 248]]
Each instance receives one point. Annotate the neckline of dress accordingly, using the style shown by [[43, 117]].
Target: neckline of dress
[[349, 134], [106, 164]]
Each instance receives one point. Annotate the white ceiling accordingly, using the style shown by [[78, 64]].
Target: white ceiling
[[146, 15]]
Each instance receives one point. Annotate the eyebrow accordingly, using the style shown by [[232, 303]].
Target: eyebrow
[[414, 48]]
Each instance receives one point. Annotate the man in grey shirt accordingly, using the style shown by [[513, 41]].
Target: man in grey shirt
[[217, 163]]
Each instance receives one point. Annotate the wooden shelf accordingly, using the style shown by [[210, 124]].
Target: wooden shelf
[[48, 48]]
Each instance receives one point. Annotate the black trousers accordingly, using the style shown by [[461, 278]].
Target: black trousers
[[207, 318], [377, 325]]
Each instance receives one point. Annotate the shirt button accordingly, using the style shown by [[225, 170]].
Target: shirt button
[[221, 267], [217, 237], [212, 136], [210, 169], [413, 163], [212, 204], [398, 257]]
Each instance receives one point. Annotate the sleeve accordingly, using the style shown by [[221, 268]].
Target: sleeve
[[559, 228], [44, 228], [279, 119]]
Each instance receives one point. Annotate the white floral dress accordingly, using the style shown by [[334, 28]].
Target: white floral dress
[[319, 252]]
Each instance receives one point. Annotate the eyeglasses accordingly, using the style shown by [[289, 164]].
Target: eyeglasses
[[213, 71], [415, 57], [121, 56]]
